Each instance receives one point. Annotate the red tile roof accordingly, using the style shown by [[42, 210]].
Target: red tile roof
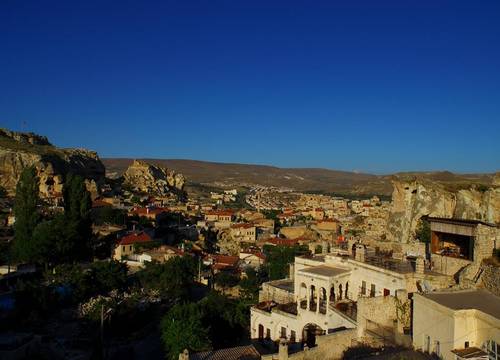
[[148, 211], [226, 260], [99, 203], [242, 226], [135, 238], [281, 241], [220, 212]]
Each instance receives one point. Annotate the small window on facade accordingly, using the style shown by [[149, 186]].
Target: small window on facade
[[466, 345], [363, 288], [283, 332], [268, 333], [292, 336], [372, 290]]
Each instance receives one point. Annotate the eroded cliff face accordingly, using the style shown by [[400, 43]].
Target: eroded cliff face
[[21, 150], [151, 179], [413, 199]]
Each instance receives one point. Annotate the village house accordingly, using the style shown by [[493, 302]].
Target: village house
[[219, 215], [254, 259], [459, 246], [220, 263], [457, 325], [243, 232], [126, 244], [152, 213]]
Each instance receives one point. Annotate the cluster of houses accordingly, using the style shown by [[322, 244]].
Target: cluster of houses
[[442, 299]]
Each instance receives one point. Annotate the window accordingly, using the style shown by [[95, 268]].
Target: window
[[363, 288], [292, 336], [427, 344], [268, 333], [372, 290], [493, 349], [283, 332], [437, 348]]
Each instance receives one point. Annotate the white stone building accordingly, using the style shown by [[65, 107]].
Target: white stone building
[[326, 289]]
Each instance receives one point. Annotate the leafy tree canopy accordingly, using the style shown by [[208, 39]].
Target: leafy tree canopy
[[173, 278], [182, 328], [27, 216]]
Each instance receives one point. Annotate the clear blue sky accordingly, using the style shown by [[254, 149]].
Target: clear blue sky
[[375, 86]]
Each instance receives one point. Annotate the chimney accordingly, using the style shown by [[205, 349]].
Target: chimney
[[420, 265], [360, 253], [283, 350]]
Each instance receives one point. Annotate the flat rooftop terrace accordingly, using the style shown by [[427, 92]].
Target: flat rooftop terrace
[[286, 284], [324, 270], [481, 300]]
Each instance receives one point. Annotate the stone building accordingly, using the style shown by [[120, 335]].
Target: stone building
[[326, 290], [457, 325], [459, 246]]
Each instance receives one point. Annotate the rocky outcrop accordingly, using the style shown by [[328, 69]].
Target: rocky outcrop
[[490, 277], [411, 200], [21, 150], [151, 179]]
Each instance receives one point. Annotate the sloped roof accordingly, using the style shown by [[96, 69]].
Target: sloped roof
[[248, 352], [135, 238]]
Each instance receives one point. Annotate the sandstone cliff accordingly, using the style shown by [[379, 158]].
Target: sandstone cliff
[[412, 199], [20, 150], [151, 179]]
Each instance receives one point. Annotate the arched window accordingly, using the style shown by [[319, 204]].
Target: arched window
[[332, 294], [346, 290], [303, 296], [340, 292]]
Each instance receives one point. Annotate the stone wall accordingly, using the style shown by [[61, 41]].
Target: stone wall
[[331, 347], [490, 278], [377, 314], [273, 293]]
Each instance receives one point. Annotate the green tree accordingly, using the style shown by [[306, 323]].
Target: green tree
[[77, 208], [27, 216], [109, 275], [250, 284], [173, 278], [227, 320], [280, 257], [182, 328], [226, 279], [423, 230]]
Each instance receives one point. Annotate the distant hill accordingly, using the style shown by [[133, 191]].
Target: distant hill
[[302, 179]]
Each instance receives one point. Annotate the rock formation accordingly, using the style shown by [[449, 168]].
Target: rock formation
[[20, 150], [151, 179], [412, 199]]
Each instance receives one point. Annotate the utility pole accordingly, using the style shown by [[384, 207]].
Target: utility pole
[[102, 331]]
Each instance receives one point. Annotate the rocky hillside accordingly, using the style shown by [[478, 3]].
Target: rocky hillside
[[412, 199], [302, 179], [151, 179], [20, 150]]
